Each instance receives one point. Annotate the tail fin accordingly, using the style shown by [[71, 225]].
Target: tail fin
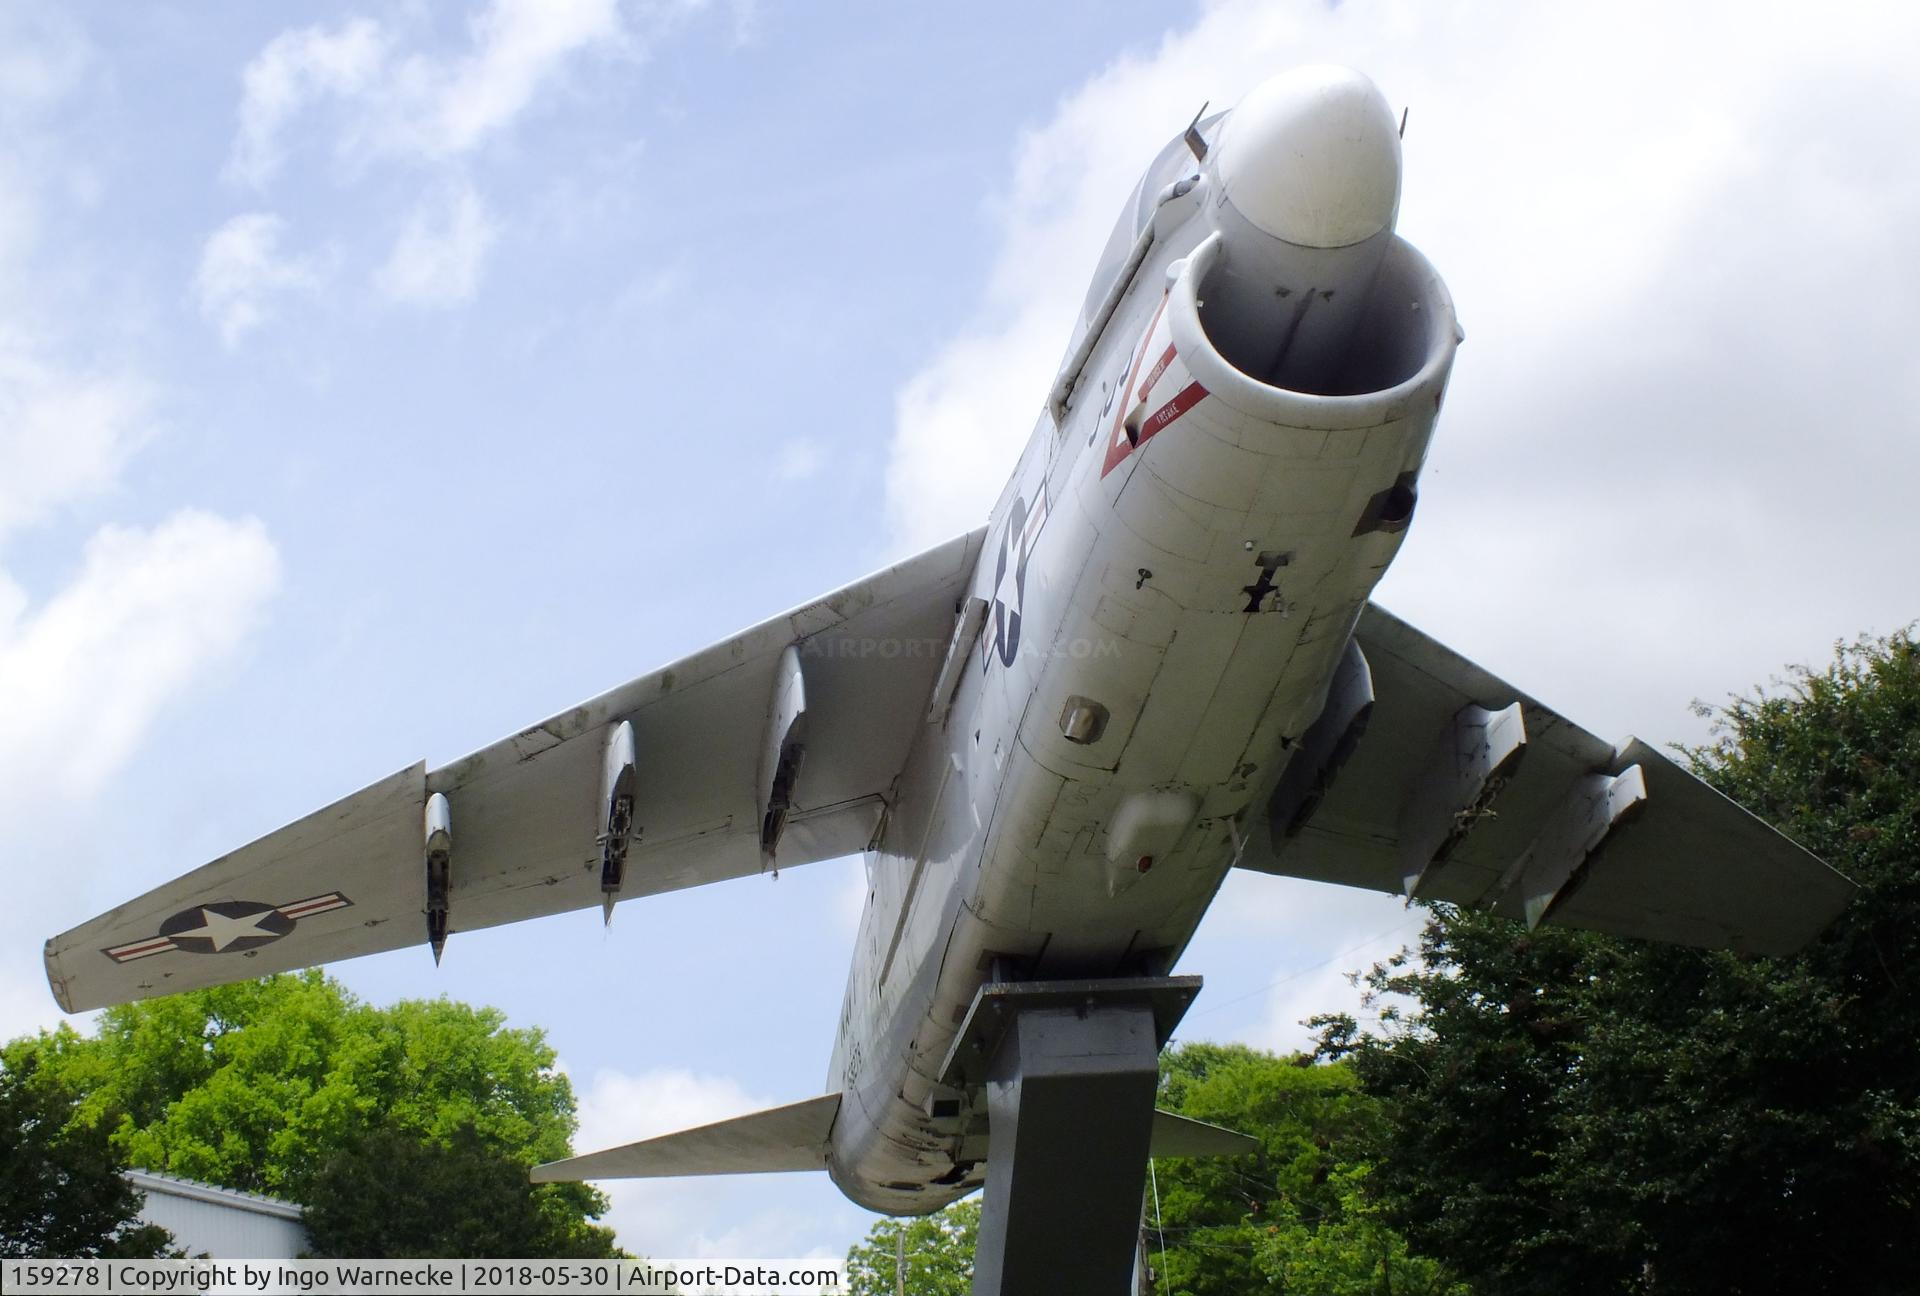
[[793, 1137]]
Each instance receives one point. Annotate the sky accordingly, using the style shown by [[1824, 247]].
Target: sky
[[378, 379]]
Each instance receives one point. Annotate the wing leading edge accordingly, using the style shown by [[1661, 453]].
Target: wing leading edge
[[666, 782], [1453, 785]]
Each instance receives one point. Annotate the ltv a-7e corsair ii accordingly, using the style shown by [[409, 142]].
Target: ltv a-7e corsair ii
[[1155, 663]]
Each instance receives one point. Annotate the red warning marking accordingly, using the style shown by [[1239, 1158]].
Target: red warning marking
[[1118, 444], [1122, 445], [1154, 374], [1189, 396]]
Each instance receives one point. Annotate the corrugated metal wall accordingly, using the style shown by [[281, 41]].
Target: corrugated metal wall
[[219, 1222]]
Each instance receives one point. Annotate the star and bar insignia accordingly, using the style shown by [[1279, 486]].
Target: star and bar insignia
[[1010, 574], [226, 927]]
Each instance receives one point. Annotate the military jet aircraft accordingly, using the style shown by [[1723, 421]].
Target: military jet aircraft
[[1051, 738]]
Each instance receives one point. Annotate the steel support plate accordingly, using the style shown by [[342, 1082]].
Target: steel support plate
[[997, 1003]]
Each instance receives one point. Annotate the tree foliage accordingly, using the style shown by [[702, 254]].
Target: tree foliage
[[1292, 1218], [277, 1085], [939, 1253], [395, 1195], [62, 1192], [1570, 1112]]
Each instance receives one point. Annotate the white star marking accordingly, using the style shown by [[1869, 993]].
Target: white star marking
[[1007, 592], [224, 931]]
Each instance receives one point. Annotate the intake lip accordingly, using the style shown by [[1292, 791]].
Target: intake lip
[[1408, 333]]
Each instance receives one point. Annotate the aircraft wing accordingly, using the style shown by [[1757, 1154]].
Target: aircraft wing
[[774, 748], [1456, 786]]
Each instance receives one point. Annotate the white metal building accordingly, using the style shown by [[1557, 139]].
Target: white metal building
[[220, 1222]]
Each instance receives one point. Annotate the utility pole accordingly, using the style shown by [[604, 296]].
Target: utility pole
[[900, 1258]]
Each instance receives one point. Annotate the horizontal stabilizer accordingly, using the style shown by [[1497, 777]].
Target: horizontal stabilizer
[[1182, 1136], [793, 1137]]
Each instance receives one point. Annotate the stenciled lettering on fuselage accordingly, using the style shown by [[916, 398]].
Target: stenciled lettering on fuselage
[[1017, 538], [1150, 402]]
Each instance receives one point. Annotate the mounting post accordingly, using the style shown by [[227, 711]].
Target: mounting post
[[1070, 1070]]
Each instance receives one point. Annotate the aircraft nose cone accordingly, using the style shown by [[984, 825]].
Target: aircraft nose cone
[[1312, 156]]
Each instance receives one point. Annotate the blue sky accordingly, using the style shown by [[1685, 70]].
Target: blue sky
[[375, 380]]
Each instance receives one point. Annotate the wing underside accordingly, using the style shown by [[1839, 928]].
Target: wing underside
[[774, 748], [1453, 785]]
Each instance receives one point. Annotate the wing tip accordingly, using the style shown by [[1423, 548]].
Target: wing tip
[[55, 981]]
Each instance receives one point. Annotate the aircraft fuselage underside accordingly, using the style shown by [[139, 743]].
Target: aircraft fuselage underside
[[1170, 580]]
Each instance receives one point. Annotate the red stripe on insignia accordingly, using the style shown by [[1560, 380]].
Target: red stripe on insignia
[[1154, 374], [124, 953], [1035, 520], [319, 904], [131, 949]]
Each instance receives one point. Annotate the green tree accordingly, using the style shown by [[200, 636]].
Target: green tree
[[1352, 1252], [367, 1199], [939, 1251], [1573, 1113], [62, 1192], [1293, 1217], [265, 1085]]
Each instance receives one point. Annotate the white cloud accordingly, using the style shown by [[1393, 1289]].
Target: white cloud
[[1300, 995], [732, 1215], [617, 1108], [26, 1005], [87, 665], [242, 269], [518, 46], [149, 612], [83, 674], [1332, 983], [1683, 409], [850, 903], [800, 458], [295, 69], [43, 55], [437, 259], [19, 220], [1280, 950], [45, 59], [961, 421], [63, 435], [82, 678], [419, 106], [375, 89]]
